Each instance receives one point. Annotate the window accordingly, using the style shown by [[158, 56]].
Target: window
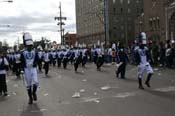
[[114, 10], [158, 22], [151, 23], [129, 1], [129, 10], [121, 1], [121, 10], [114, 1], [137, 1]]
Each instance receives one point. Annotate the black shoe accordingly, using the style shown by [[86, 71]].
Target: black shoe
[[34, 97], [140, 84], [34, 92], [141, 87], [123, 77], [148, 85], [5, 94], [30, 101]]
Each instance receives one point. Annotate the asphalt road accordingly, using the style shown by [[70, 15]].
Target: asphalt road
[[99, 93]]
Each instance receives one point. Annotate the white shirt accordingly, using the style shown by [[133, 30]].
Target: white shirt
[[46, 57], [6, 63], [76, 52], [29, 57], [142, 54], [110, 51], [17, 57], [84, 52], [40, 54], [99, 51]]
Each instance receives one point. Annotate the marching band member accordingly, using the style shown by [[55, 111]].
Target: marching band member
[[46, 62], [65, 58], [99, 62], [40, 59], [3, 68], [17, 64], [29, 59], [142, 59]]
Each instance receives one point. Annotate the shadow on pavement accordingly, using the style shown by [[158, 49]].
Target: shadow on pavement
[[131, 80], [32, 110], [167, 95], [3, 99]]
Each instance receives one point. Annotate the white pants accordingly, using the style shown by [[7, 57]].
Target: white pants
[[30, 77], [144, 67]]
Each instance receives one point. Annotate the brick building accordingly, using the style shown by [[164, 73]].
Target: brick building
[[70, 39], [157, 21]]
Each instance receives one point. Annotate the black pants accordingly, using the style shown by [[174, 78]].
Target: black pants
[[3, 85], [84, 60], [54, 61], [99, 62], [65, 61], [40, 64], [76, 63], [121, 70], [17, 69], [46, 67]]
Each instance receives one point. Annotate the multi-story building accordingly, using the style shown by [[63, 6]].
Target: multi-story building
[[170, 19], [119, 20], [89, 21], [70, 39], [158, 20]]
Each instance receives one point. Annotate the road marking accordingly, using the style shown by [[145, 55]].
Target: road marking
[[84, 80], [105, 88], [46, 94], [15, 85], [166, 89], [91, 99], [124, 95], [14, 93], [76, 95], [82, 91]]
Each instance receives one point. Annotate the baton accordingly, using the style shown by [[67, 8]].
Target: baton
[[22, 73]]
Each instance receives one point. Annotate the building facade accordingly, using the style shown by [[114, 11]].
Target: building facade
[[158, 20], [70, 39], [118, 21], [170, 20], [89, 21]]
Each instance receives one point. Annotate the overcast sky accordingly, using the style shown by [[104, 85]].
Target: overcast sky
[[36, 17]]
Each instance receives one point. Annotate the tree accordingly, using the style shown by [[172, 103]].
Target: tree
[[4, 43]]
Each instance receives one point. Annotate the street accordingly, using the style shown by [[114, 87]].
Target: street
[[92, 93]]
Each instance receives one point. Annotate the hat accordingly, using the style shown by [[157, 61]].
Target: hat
[[142, 38], [27, 39]]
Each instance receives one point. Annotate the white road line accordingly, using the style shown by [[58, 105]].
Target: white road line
[[91, 99], [166, 89], [125, 95]]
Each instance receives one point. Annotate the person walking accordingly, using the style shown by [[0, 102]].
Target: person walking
[[3, 70], [29, 61]]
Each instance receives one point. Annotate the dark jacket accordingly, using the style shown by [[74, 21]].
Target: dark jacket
[[123, 57]]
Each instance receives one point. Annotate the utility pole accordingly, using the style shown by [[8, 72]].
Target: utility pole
[[61, 23], [63, 36], [106, 22]]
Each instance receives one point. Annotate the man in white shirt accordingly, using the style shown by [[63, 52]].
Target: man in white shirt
[[3, 67]]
